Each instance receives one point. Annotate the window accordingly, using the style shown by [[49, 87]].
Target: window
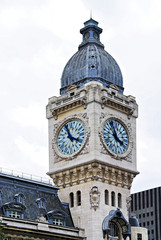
[[41, 202], [139, 236], [58, 222], [143, 215], [57, 217], [112, 199], [139, 195], [152, 222], [114, 230], [71, 199], [78, 198], [151, 197], [135, 202], [119, 198], [14, 210], [19, 198], [147, 198], [106, 197], [72, 94], [14, 214], [147, 214], [143, 199]]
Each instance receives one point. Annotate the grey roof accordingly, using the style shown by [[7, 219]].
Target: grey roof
[[33, 192], [91, 62]]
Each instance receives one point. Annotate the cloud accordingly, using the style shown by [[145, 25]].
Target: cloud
[[32, 115], [37, 154]]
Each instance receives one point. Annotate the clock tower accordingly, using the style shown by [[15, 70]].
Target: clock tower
[[92, 138]]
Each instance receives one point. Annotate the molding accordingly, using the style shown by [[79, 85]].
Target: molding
[[93, 172], [119, 106], [69, 106]]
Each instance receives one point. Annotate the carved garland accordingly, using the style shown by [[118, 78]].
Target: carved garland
[[85, 146]]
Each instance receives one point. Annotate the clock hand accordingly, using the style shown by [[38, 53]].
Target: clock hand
[[117, 139], [68, 132], [115, 134], [76, 139]]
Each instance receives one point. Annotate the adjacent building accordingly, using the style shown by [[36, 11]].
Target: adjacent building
[[32, 210], [146, 206]]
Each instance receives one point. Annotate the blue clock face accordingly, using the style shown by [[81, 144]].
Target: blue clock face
[[115, 136], [71, 137]]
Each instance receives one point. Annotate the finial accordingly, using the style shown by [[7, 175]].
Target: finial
[[91, 14]]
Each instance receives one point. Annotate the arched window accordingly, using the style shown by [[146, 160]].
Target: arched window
[[119, 199], [78, 198], [71, 197], [19, 197], [112, 199], [114, 230], [106, 197], [41, 202]]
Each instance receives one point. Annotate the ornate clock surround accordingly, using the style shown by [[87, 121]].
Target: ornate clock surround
[[128, 129], [83, 148]]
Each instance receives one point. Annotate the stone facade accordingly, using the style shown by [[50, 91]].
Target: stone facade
[[93, 166]]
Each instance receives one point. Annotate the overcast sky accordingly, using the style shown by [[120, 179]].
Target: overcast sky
[[37, 38]]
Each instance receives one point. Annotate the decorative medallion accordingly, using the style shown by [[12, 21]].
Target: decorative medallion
[[94, 197]]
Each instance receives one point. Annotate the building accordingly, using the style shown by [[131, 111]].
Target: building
[[32, 210], [92, 140], [146, 206], [92, 156]]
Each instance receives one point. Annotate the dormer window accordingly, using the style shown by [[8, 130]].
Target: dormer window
[[58, 222], [41, 202], [14, 210], [14, 214], [57, 217], [19, 198]]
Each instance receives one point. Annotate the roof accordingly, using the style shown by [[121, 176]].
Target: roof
[[91, 62]]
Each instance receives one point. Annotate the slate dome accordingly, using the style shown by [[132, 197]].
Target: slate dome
[[91, 62]]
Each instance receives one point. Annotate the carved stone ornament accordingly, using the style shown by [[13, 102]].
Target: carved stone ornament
[[41, 218], [127, 155], [94, 197], [94, 171], [128, 204], [85, 145]]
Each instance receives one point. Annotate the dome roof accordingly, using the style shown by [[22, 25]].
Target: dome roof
[[91, 62]]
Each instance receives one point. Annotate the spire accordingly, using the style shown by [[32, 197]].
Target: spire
[[91, 14]]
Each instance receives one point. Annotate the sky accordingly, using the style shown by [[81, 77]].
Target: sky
[[37, 39]]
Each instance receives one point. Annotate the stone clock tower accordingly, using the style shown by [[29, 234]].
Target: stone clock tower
[[92, 138]]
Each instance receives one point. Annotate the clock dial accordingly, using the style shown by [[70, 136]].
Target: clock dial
[[115, 136], [71, 137]]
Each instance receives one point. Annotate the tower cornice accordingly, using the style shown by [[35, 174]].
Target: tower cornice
[[93, 171]]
